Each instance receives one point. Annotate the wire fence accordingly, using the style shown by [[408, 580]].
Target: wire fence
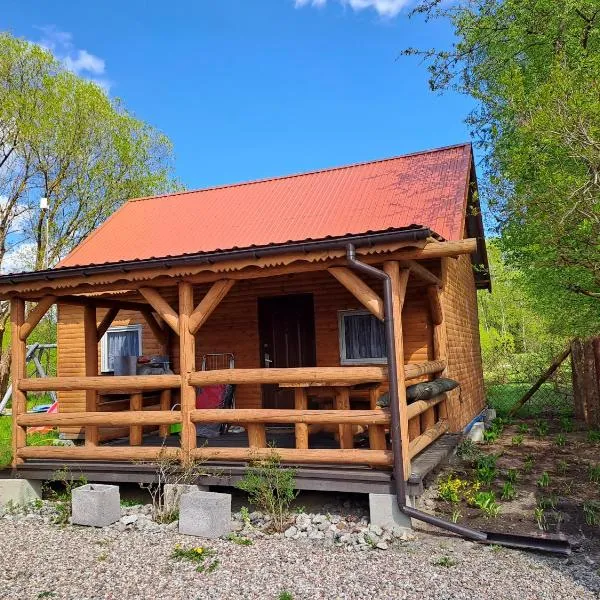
[[507, 379]]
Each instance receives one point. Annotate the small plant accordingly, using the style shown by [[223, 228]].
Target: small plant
[[285, 596], [240, 540], [591, 512], [59, 490], [523, 428], [46, 594], [561, 440], [456, 515], [204, 557], [508, 491], [468, 450], [486, 470], [450, 488], [567, 487], [490, 436], [541, 428], [444, 561], [130, 502], [561, 467], [566, 424], [102, 556], [270, 488], [512, 476], [540, 517], [486, 503], [245, 516], [548, 502], [528, 463], [517, 440], [593, 436], [594, 473], [544, 480]]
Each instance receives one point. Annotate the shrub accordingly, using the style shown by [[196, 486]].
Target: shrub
[[451, 489], [485, 470], [517, 440], [486, 503], [468, 450], [561, 440], [270, 488], [66, 483]]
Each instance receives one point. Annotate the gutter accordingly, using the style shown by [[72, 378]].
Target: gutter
[[414, 234], [548, 544]]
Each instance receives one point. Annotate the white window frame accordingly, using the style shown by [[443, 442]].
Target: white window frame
[[104, 343], [342, 340]]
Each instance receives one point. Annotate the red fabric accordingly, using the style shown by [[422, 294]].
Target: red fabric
[[426, 189], [210, 396]]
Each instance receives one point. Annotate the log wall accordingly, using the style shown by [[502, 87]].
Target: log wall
[[463, 345]]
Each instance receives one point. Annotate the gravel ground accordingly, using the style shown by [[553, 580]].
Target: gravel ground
[[41, 560]]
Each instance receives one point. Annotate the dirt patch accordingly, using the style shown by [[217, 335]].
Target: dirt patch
[[555, 490]]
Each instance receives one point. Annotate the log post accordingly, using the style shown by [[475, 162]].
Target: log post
[[301, 403], [187, 364], [135, 431], [399, 279], [35, 316], [91, 368], [342, 402], [440, 345], [414, 428], [18, 372], [257, 435], [376, 432], [165, 404]]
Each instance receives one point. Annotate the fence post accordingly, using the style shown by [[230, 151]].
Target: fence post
[[187, 364], [18, 372]]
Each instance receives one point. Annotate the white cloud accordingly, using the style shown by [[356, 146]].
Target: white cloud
[[385, 8], [19, 259], [77, 60]]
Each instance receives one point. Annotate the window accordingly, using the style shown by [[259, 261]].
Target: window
[[120, 341], [362, 338]]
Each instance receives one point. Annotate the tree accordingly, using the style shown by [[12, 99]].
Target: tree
[[533, 66], [63, 138]]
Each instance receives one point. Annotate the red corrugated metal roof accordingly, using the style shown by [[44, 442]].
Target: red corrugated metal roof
[[425, 188]]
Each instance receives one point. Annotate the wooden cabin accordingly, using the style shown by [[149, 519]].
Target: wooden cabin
[[249, 286]]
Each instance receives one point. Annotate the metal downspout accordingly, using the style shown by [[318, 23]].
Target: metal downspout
[[399, 481]]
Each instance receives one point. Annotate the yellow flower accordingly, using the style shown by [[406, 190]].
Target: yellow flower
[[199, 550]]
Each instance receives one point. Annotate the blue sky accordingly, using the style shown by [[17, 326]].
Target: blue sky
[[247, 89]]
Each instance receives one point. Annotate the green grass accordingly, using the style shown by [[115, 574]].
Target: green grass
[[546, 400]]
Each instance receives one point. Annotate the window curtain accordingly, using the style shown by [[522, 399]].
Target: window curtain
[[121, 343], [364, 336]]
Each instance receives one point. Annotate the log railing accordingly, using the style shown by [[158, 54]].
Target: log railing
[[340, 420]]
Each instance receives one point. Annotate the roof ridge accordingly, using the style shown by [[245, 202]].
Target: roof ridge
[[293, 175]]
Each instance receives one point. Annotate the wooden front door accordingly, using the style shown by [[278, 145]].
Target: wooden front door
[[287, 339]]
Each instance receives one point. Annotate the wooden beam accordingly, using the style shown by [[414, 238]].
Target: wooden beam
[[18, 374], [360, 290], [294, 262], [342, 402], [162, 307], [187, 364], [106, 322], [301, 429], [91, 369], [257, 435], [281, 415], [375, 458], [135, 431], [165, 405], [100, 302], [420, 406], [36, 315], [104, 419], [101, 453], [399, 280], [207, 305], [435, 304], [117, 383], [377, 439], [159, 333], [419, 444], [421, 272]]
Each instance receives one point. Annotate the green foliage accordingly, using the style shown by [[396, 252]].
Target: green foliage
[[444, 561], [517, 440], [593, 435], [548, 502], [540, 517], [240, 540], [591, 512], [512, 475], [566, 424], [561, 467], [523, 428], [528, 463], [509, 491], [271, 488], [285, 596], [594, 473], [59, 489], [541, 428], [544, 480], [561, 440], [485, 469], [468, 450], [451, 488], [456, 515], [203, 557], [486, 503]]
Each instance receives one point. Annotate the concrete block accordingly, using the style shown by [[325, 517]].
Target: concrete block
[[96, 505], [489, 415], [476, 432], [19, 491], [384, 512], [172, 493], [205, 514]]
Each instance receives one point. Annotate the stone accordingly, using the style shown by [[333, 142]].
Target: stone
[[290, 532], [172, 493], [59, 442], [129, 519], [382, 546], [19, 491], [476, 432], [386, 514], [205, 514], [96, 505], [317, 519], [303, 522], [489, 415]]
